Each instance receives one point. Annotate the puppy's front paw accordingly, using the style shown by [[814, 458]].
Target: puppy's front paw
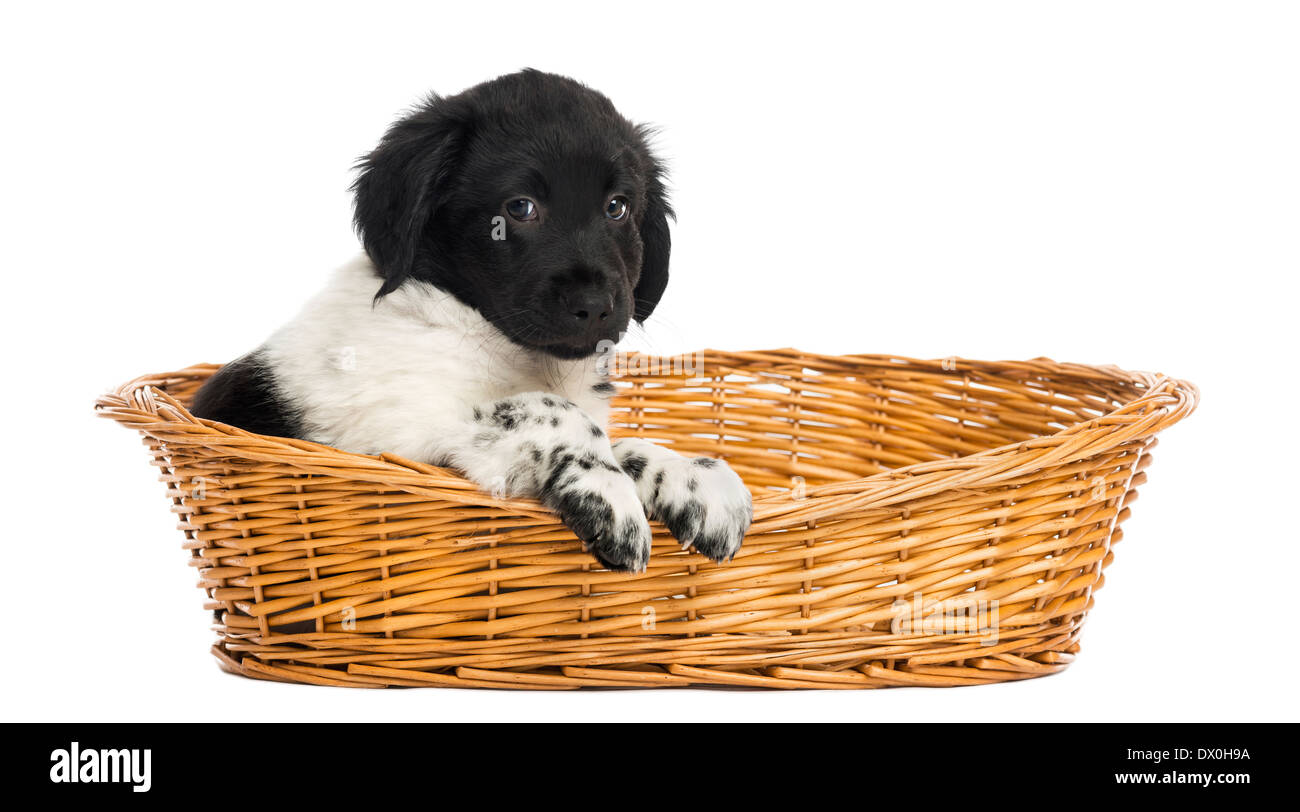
[[701, 501], [602, 509]]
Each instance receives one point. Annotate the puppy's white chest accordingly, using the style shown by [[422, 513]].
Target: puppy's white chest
[[399, 374]]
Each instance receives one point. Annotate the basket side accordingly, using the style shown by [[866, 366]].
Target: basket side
[[332, 568]]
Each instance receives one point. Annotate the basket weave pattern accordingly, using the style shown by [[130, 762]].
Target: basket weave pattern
[[915, 523]]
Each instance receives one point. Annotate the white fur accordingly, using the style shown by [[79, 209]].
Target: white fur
[[423, 376], [403, 374]]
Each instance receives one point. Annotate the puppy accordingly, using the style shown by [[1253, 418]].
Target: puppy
[[510, 232]]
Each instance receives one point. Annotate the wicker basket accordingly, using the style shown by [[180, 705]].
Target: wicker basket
[[915, 523]]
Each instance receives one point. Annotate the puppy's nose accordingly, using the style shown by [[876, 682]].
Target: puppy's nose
[[589, 306]]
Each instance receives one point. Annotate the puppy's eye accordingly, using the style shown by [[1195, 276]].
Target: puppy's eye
[[522, 209], [616, 208]]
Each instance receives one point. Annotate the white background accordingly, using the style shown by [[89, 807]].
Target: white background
[[1100, 182]]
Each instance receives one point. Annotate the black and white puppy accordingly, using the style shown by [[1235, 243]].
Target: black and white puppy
[[511, 231]]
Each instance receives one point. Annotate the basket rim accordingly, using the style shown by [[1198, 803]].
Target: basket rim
[[144, 404]]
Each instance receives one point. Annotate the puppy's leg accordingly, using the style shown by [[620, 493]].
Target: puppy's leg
[[542, 446], [700, 499]]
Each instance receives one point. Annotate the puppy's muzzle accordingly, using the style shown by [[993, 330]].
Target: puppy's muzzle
[[588, 312], [588, 308]]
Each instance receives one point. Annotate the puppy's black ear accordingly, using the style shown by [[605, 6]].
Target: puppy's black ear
[[656, 242], [401, 184]]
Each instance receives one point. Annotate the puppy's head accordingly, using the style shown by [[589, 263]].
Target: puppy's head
[[529, 198]]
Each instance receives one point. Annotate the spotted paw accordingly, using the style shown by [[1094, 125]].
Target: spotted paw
[[602, 509], [701, 501]]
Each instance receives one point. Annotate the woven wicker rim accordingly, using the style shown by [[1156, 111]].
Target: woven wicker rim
[[145, 405]]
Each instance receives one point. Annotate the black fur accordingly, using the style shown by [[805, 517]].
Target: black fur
[[684, 521], [425, 201], [508, 414], [634, 466], [244, 393], [427, 195]]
